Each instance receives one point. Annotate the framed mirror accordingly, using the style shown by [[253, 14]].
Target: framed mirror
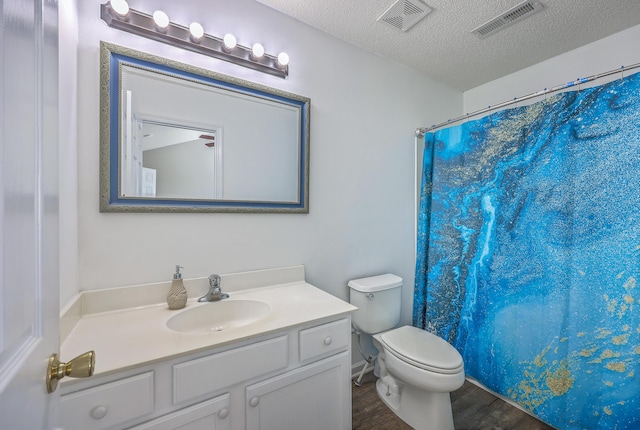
[[177, 138]]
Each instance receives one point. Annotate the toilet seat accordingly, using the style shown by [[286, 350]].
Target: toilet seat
[[422, 349]]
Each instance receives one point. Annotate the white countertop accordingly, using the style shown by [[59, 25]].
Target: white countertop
[[130, 337]]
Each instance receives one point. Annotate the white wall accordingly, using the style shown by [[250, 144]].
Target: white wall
[[620, 49], [186, 169], [364, 110]]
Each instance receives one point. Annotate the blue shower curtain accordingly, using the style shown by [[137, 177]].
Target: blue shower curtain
[[529, 253]]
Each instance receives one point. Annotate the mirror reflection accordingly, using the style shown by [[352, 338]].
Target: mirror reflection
[[186, 139], [165, 146]]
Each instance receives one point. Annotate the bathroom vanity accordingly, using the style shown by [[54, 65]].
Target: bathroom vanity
[[286, 367]]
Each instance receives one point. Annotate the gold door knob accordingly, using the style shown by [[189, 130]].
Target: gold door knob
[[80, 367]]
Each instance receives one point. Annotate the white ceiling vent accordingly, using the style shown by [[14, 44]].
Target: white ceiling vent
[[404, 14], [515, 14]]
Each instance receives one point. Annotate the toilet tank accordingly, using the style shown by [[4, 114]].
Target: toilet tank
[[378, 299]]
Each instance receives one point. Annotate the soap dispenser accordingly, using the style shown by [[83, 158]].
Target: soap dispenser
[[177, 297]]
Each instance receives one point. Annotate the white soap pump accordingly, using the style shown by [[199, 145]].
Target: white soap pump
[[177, 297]]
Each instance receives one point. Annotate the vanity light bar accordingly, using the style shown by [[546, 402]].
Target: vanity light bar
[[177, 35]]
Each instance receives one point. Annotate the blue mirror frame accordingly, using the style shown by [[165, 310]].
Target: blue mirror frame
[[112, 58]]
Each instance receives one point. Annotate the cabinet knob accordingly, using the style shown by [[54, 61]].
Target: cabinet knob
[[254, 402], [99, 412], [327, 340], [223, 413]]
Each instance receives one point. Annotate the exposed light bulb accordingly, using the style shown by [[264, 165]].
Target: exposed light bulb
[[229, 41], [196, 31], [161, 19], [119, 15], [283, 59], [257, 50], [121, 7]]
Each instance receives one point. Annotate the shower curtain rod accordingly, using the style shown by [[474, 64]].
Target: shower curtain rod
[[420, 132]]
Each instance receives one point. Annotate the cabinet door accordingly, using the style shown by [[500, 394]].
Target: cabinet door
[[314, 397], [209, 415]]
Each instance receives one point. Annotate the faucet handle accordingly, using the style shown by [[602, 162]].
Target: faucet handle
[[214, 280], [215, 292]]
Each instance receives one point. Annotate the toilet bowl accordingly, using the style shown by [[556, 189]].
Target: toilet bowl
[[421, 359], [417, 370], [416, 386]]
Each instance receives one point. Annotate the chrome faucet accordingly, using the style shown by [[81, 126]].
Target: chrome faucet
[[215, 291]]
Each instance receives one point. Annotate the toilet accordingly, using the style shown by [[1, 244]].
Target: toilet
[[416, 369]]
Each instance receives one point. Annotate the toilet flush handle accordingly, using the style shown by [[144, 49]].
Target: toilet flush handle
[[370, 296]]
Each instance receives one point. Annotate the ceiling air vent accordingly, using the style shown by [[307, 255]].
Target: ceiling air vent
[[404, 14], [513, 15]]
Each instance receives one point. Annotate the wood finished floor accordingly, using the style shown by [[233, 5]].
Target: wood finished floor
[[473, 409]]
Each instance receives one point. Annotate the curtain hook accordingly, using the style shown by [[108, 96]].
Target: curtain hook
[[622, 72]]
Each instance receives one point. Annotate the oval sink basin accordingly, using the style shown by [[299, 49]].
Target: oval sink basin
[[218, 316]]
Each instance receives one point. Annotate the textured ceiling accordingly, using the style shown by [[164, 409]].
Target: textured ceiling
[[442, 46]]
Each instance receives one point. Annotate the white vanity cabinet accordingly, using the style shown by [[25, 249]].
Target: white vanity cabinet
[[309, 398], [210, 415], [294, 379], [108, 404]]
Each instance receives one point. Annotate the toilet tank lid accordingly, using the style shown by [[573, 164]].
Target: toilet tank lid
[[376, 283]]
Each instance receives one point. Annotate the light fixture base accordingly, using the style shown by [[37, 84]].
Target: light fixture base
[[141, 24]]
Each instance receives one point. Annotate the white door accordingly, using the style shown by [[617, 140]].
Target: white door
[[132, 181], [148, 182], [29, 309], [136, 152], [128, 174]]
